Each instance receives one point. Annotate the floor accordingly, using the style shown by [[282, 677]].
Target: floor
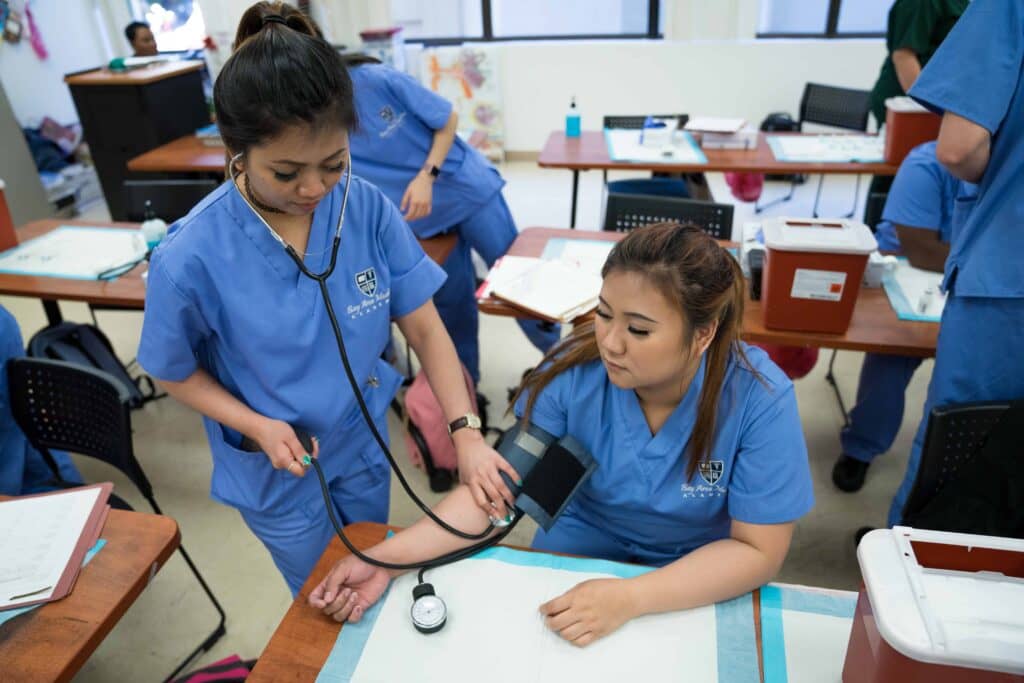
[[172, 615]]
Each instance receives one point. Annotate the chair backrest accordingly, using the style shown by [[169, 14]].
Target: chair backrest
[[838, 107], [169, 199], [637, 122], [68, 407], [873, 208], [624, 212], [953, 436]]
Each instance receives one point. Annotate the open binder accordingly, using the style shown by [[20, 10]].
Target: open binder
[[551, 290], [45, 538]]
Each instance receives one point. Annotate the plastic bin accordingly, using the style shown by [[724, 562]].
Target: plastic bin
[[812, 273], [907, 125], [937, 607], [8, 238]]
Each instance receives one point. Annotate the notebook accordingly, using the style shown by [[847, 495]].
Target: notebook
[[555, 291]]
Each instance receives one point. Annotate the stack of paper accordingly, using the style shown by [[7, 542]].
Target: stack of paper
[[555, 291], [44, 539], [744, 138], [715, 124]]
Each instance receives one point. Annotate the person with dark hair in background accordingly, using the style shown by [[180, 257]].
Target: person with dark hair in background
[[702, 466], [140, 37], [233, 329]]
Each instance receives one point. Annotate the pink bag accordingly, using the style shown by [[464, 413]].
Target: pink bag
[[424, 412], [795, 361], [745, 187]]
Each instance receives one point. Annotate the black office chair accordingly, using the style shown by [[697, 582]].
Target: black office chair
[[631, 122], [68, 407], [829, 105], [971, 475], [624, 212]]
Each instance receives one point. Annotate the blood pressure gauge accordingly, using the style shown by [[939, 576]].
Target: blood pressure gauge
[[429, 612]]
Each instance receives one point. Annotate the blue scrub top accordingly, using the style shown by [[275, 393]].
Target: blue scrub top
[[923, 195], [978, 73], [223, 295], [397, 121], [757, 470]]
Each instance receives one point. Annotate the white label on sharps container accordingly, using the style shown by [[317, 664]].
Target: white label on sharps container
[[821, 285]]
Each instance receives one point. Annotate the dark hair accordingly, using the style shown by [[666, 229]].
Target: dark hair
[[353, 59], [689, 268], [131, 29], [280, 74]]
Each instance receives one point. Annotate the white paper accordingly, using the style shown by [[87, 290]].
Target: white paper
[[624, 145], [815, 646], [37, 538], [494, 633], [715, 124], [915, 282], [589, 255], [505, 269], [75, 252], [554, 289], [829, 148]]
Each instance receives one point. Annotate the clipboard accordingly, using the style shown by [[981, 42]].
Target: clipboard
[[90, 533]]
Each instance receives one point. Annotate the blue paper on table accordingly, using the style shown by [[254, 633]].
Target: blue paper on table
[[836, 149], [914, 293], [76, 252], [733, 649], [804, 633], [624, 146], [8, 614]]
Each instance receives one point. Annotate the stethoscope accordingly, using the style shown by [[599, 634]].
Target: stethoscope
[[321, 279]]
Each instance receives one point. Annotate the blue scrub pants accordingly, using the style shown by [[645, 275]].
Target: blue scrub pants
[[297, 532], [570, 534], [876, 418], [977, 359], [490, 232]]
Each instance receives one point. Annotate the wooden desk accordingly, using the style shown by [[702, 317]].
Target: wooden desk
[[590, 151], [185, 155], [304, 638], [141, 76], [52, 642], [874, 327], [128, 290]]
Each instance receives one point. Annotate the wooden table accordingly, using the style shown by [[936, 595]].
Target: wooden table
[[590, 151], [185, 155], [874, 327], [52, 642], [129, 290], [304, 638]]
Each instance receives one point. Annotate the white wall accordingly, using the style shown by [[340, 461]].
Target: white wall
[[74, 40]]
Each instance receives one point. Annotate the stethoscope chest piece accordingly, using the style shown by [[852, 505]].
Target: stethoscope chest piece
[[429, 613]]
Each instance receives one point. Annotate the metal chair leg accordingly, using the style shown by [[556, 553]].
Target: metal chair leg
[[831, 379], [220, 630], [856, 196], [758, 208], [817, 195]]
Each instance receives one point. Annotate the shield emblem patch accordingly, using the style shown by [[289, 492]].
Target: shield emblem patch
[[366, 281], [711, 471]]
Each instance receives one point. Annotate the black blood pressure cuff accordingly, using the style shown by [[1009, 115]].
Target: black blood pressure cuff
[[552, 470]]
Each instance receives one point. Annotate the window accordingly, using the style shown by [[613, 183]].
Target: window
[[176, 24], [823, 18], [453, 21]]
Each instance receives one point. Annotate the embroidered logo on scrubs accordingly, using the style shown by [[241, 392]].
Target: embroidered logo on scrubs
[[711, 471], [390, 119], [366, 281]]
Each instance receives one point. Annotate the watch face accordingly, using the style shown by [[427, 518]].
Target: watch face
[[429, 611]]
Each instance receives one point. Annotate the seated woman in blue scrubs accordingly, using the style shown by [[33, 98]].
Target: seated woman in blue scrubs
[[406, 145], [234, 330], [702, 467], [917, 222]]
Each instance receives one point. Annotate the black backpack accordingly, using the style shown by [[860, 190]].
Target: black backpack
[[86, 345]]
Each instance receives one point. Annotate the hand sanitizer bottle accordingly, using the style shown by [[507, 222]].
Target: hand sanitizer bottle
[[153, 228], [572, 120]]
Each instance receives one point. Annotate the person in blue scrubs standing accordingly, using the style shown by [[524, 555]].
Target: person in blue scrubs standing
[[234, 330], [702, 466], [406, 145], [917, 222], [22, 468], [976, 81]]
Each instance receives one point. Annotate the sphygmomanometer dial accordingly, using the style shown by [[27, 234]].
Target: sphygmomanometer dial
[[429, 612]]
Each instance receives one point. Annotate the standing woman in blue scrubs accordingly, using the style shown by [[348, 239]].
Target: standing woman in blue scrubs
[[234, 330], [406, 145], [976, 81], [702, 467]]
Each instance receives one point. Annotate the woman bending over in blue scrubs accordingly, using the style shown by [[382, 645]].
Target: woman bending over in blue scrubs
[[234, 330], [406, 145], [702, 467]]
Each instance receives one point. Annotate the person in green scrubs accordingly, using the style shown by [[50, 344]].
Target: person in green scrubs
[[914, 30]]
